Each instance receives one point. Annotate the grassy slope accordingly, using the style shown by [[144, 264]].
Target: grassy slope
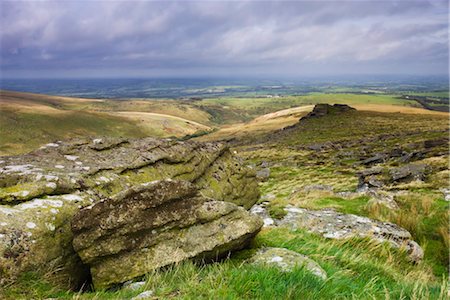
[[235, 110], [264, 124], [30, 120], [423, 211]]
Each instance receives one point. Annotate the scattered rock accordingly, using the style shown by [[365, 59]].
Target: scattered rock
[[154, 225], [378, 158], [335, 225], [368, 179], [383, 198], [408, 173], [435, 143], [38, 200], [286, 260], [320, 146], [260, 210]]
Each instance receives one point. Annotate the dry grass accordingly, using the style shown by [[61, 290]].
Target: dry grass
[[386, 108], [162, 125]]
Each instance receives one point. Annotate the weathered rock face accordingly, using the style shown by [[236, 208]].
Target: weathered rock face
[[40, 192], [324, 109], [155, 225], [335, 225]]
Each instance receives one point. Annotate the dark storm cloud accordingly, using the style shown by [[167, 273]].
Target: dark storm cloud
[[133, 38]]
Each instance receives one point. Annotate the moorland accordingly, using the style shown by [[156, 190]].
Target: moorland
[[386, 160]]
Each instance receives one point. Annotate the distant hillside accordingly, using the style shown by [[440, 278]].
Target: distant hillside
[[30, 120]]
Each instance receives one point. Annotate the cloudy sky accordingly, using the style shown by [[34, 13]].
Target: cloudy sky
[[216, 38]]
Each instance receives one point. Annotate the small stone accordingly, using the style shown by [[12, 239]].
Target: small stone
[[52, 145], [71, 157], [134, 286], [143, 295], [263, 174], [30, 225], [286, 260]]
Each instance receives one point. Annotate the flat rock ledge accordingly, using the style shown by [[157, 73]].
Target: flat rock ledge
[[42, 191], [156, 225], [335, 225], [287, 260]]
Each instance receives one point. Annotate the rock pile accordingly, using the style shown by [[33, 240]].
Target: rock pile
[[323, 109]]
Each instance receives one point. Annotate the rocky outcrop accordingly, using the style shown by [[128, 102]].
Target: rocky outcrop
[[41, 191], [377, 177], [335, 225], [287, 260], [323, 109], [154, 225]]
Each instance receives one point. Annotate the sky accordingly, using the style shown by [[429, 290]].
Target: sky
[[83, 39]]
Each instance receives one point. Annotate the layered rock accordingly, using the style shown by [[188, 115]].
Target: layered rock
[[155, 225], [41, 191]]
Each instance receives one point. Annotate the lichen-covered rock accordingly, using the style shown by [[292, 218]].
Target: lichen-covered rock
[[335, 225], [155, 225], [41, 191], [286, 260], [36, 234]]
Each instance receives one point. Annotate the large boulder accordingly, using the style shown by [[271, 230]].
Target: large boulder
[[40, 192], [154, 225]]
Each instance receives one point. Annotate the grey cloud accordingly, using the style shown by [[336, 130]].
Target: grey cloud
[[296, 36]]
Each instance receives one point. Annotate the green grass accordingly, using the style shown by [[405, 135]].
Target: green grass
[[348, 206], [425, 215], [357, 269], [422, 211]]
